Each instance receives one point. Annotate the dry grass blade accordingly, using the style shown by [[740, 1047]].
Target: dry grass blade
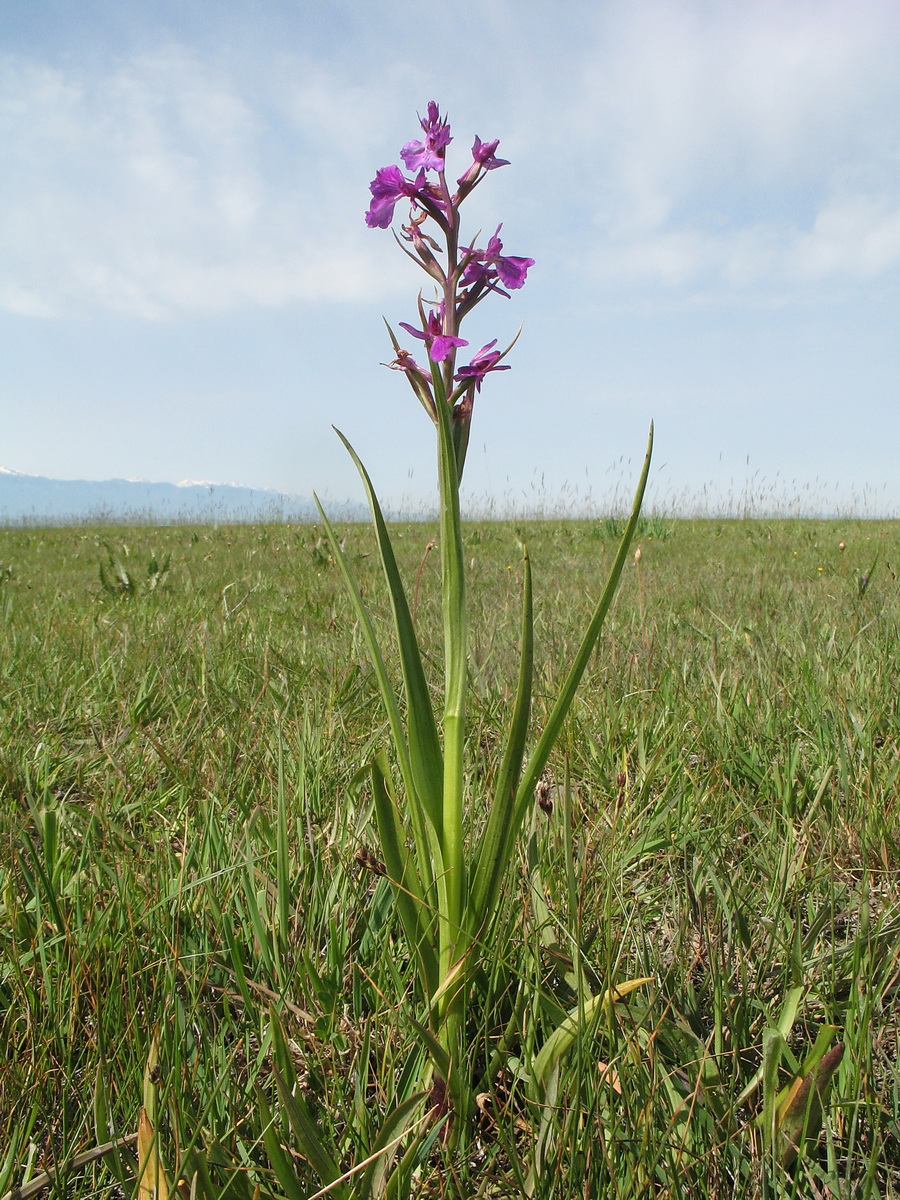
[[47, 1178], [152, 1182]]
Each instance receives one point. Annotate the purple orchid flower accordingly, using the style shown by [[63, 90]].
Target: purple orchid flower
[[389, 186], [405, 362], [439, 343], [464, 275], [487, 265], [486, 360], [428, 155], [483, 159]]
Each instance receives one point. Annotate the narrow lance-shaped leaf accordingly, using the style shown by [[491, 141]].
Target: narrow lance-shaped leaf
[[414, 915], [562, 1038], [277, 1156], [498, 840], [783, 1025], [432, 1047], [424, 745], [374, 1182], [772, 1049], [386, 691], [560, 710], [307, 1138]]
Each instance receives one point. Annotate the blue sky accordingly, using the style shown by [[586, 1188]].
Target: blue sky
[[711, 192]]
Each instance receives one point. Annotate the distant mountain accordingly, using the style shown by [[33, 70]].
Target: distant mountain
[[34, 499]]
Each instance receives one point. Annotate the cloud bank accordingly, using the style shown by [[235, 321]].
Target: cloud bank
[[166, 186], [678, 146]]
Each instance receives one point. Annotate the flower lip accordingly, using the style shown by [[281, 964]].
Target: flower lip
[[389, 186]]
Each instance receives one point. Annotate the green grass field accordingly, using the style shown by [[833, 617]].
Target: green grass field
[[186, 849]]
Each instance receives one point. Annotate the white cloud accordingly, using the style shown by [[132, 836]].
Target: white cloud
[[160, 187], [718, 141], [700, 144], [855, 235]]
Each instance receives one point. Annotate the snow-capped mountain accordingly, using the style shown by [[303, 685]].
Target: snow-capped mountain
[[37, 500]]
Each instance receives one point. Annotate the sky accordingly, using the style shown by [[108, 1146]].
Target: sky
[[710, 191]]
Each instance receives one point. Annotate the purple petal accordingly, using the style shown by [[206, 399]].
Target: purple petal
[[442, 345], [494, 246], [418, 156], [512, 271], [388, 181], [405, 362], [428, 155], [380, 213], [484, 154], [486, 354], [389, 186], [485, 360], [415, 332]]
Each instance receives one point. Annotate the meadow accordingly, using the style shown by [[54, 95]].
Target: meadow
[[192, 893]]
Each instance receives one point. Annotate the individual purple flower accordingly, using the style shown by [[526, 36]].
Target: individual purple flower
[[483, 159], [487, 359], [439, 343], [389, 186], [487, 265], [428, 155], [405, 362]]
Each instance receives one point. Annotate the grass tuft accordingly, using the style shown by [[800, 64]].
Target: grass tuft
[[196, 922]]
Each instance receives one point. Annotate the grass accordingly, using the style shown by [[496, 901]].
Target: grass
[[189, 876]]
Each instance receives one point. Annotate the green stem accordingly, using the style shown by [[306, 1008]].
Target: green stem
[[453, 590], [452, 1009]]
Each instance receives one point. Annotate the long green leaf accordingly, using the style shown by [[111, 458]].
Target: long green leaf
[[280, 1052], [307, 1138], [432, 1047], [560, 710], [384, 1151], [278, 1159], [424, 745], [498, 841], [783, 1025], [561, 1039], [284, 904], [772, 1049], [414, 915], [386, 690]]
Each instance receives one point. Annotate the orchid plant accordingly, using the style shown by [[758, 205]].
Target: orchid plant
[[446, 856]]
